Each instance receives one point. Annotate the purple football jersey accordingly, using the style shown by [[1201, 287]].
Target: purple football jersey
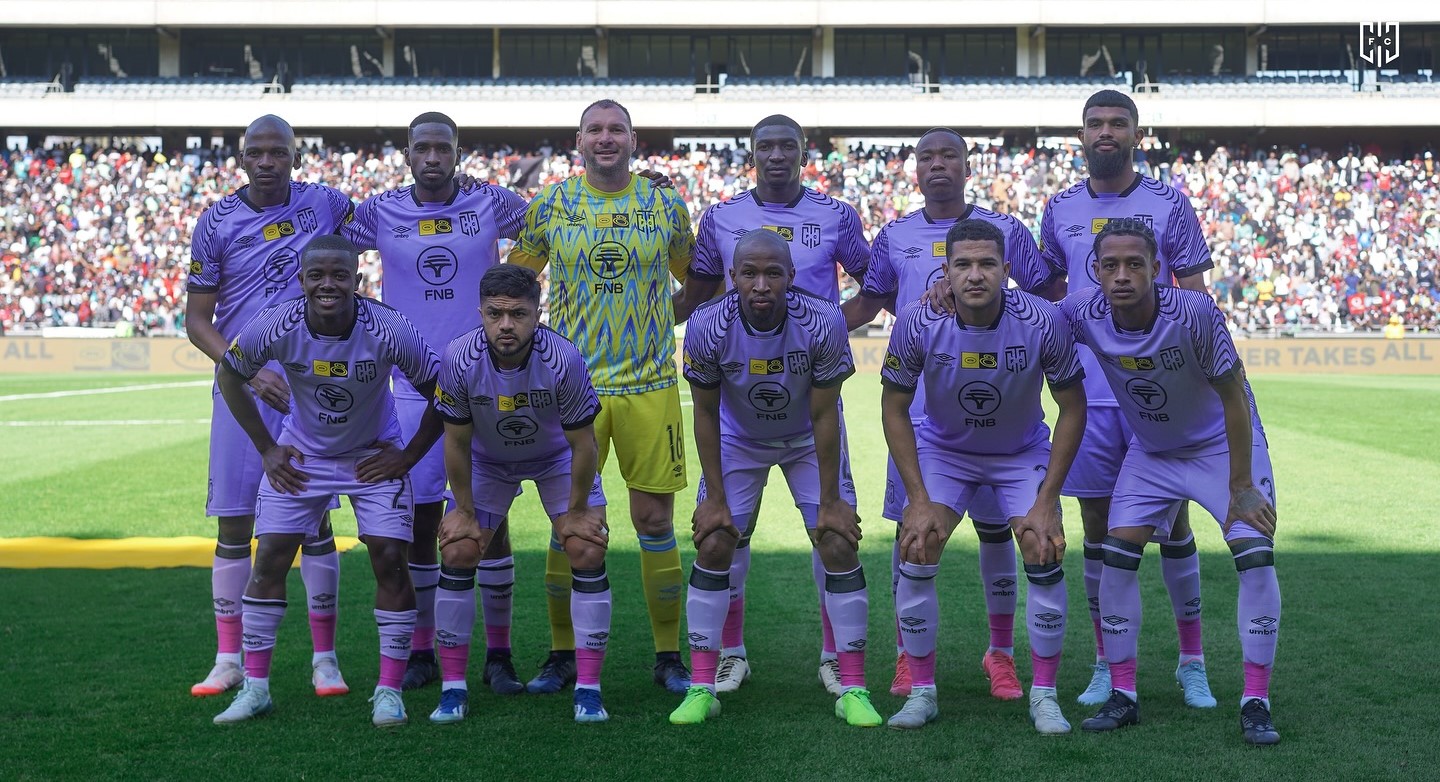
[[908, 256], [765, 377], [340, 385], [1067, 243], [821, 232], [249, 256], [432, 255], [1162, 375], [991, 373], [519, 415]]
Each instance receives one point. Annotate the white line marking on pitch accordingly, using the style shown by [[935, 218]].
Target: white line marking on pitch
[[110, 390], [120, 422]]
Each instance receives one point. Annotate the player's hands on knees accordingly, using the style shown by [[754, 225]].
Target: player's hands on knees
[[657, 178], [390, 463], [272, 389], [457, 525], [712, 515], [587, 525], [938, 297], [1046, 525], [924, 529], [839, 518], [281, 467], [1250, 505]]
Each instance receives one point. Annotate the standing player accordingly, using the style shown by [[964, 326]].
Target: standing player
[[1067, 231], [612, 241], [990, 357], [518, 405], [341, 438], [765, 365], [435, 241], [822, 233], [907, 258], [245, 254], [1168, 357]]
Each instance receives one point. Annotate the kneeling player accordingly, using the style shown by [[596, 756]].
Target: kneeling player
[[765, 365], [518, 405], [337, 350], [1169, 357], [988, 359]]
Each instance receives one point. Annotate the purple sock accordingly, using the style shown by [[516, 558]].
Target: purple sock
[[229, 573], [998, 575], [1120, 603], [590, 614], [424, 578], [918, 609], [734, 635], [1094, 564], [1180, 568], [396, 629], [454, 621], [1258, 612], [847, 601], [827, 630], [261, 619], [1045, 606], [705, 604], [496, 578], [320, 570]]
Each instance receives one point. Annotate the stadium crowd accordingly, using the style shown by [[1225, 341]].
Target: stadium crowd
[[1301, 239]]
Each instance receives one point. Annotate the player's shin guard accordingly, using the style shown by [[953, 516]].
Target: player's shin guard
[[261, 619], [229, 573], [396, 630], [1180, 567], [918, 610], [734, 635], [590, 607], [827, 630], [663, 580], [1094, 565], [1045, 607], [705, 605], [997, 572], [847, 601], [1120, 610], [496, 579], [1258, 612], [557, 596], [454, 625], [424, 578], [320, 570]]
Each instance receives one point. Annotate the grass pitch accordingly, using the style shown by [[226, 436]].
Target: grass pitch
[[95, 666]]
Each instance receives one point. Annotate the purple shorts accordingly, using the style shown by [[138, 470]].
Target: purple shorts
[[745, 467], [984, 508], [428, 474], [1152, 487], [382, 510], [235, 466], [954, 479], [495, 485], [1102, 451]]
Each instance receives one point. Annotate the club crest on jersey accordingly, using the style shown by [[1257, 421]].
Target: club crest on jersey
[[432, 227], [645, 220], [323, 368], [469, 222], [937, 249], [1136, 363], [767, 366], [1015, 358], [307, 220], [616, 220], [366, 370], [1172, 358], [274, 231], [786, 232], [972, 360], [810, 235]]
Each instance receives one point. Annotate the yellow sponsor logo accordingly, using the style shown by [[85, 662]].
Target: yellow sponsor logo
[[443, 397], [432, 227], [786, 232], [274, 231], [892, 361], [970, 360], [612, 221], [323, 368], [236, 351], [195, 267], [937, 249], [509, 404], [767, 366], [1136, 362], [1098, 224]]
